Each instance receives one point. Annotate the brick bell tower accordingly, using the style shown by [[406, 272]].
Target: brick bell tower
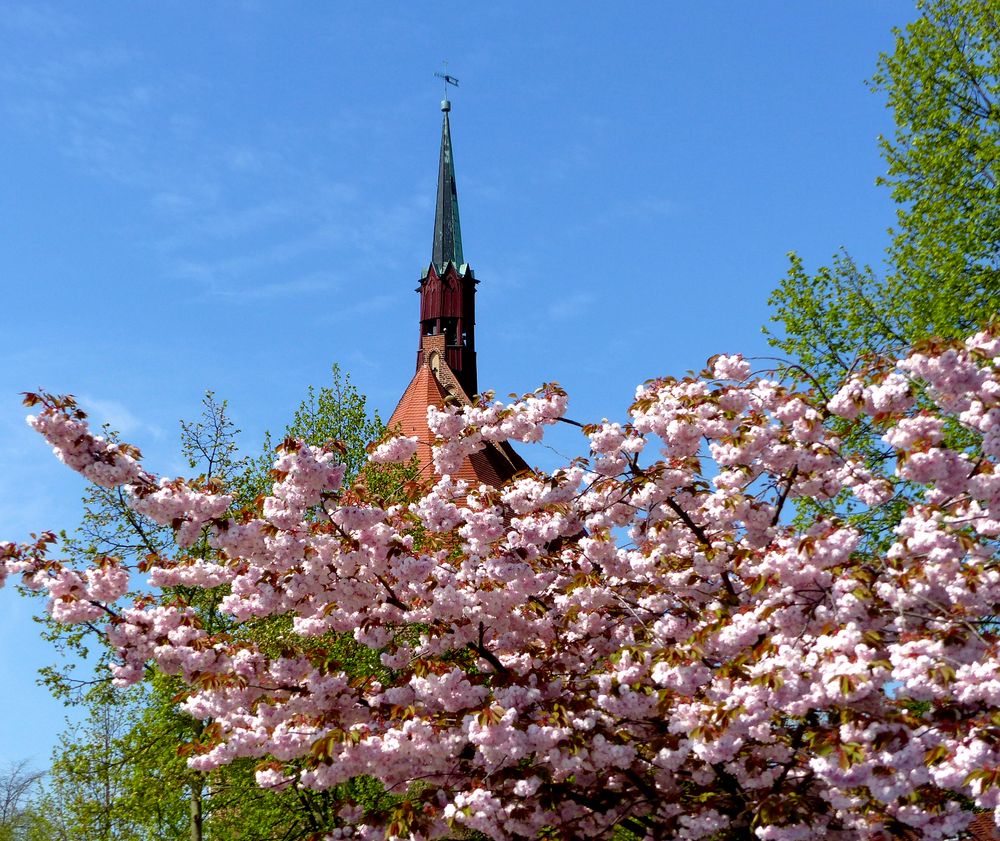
[[448, 286], [446, 349]]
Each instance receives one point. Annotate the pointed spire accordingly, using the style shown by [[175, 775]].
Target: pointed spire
[[447, 230]]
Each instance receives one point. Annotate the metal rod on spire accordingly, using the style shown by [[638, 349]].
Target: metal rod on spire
[[448, 80]]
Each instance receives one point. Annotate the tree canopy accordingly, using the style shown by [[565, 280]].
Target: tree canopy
[[118, 773], [942, 84], [638, 642], [643, 643]]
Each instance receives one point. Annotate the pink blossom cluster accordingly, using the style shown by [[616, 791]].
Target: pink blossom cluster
[[175, 503], [396, 450], [102, 462], [462, 431], [733, 367], [641, 639]]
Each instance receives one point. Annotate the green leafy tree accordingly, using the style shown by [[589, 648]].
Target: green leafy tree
[[86, 795], [123, 773], [942, 83], [19, 821], [337, 412]]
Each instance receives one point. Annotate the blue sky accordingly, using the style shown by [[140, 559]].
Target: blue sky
[[233, 196]]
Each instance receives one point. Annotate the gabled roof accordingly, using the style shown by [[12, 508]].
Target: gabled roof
[[493, 465]]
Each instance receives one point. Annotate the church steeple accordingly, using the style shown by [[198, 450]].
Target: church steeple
[[446, 350], [448, 286], [447, 228]]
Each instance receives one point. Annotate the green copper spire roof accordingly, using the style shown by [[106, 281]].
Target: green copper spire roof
[[447, 230]]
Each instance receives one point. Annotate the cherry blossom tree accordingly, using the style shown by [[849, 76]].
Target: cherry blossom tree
[[640, 643]]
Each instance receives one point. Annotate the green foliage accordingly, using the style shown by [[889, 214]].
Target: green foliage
[[122, 775], [942, 83], [834, 319], [104, 787], [831, 326], [19, 820], [338, 414]]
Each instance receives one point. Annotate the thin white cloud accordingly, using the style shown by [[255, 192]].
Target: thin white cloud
[[634, 211], [116, 415], [230, 275], [570, 306], [245, 220], [224, 239], [39, 20], [57, 76], [376, 303], [306, 285]]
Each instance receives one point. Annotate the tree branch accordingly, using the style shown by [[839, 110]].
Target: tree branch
[[481, 649]]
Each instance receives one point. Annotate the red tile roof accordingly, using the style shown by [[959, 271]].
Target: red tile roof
[[983, 828], [493, 465]]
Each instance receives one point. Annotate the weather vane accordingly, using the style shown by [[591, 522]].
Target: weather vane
[[448, 80]]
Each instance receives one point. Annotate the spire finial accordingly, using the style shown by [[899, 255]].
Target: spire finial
[[448, 80]]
